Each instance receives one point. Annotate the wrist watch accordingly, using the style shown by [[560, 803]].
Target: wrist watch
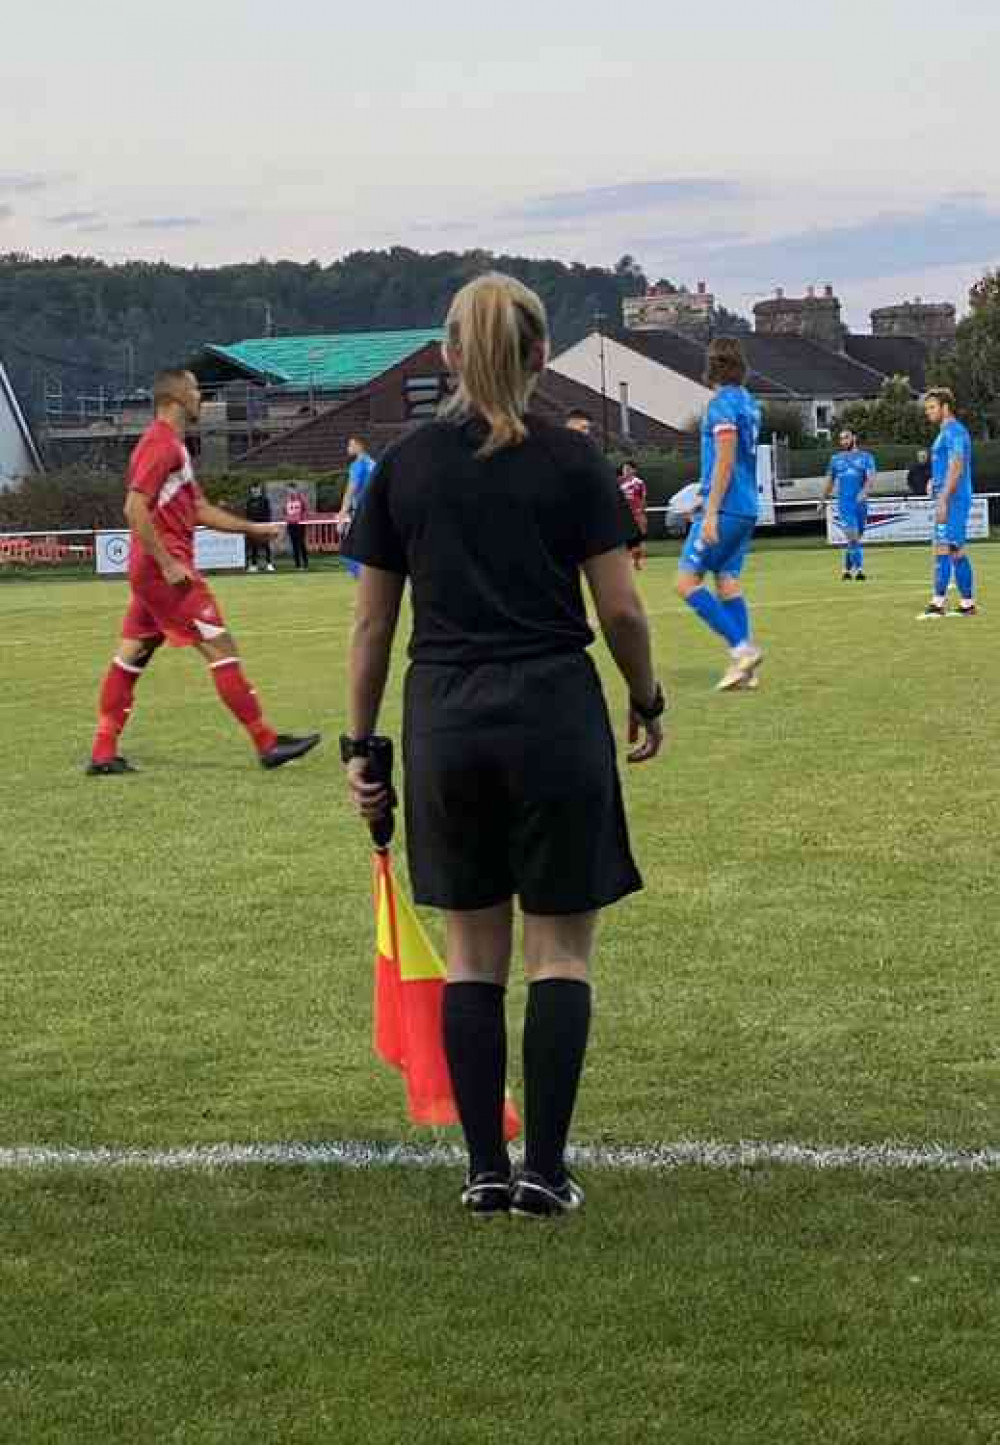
[[351, 748], [654, 710]]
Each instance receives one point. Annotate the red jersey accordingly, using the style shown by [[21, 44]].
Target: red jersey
[[634, 492], [295, 508], [160, 469]]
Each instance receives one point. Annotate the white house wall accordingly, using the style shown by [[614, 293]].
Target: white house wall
[[653, 389], [17, 458]]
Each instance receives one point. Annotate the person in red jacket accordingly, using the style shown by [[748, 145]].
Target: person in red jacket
[[170, 602], [296, 513]]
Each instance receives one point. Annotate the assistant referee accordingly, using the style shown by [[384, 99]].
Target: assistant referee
[[512, 786]]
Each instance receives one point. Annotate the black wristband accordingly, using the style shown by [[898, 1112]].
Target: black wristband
[[655, 711], [351, 748]]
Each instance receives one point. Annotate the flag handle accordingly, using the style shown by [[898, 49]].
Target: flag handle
[[378, 769]]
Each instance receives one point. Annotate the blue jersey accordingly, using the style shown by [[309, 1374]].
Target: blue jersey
[[361, 471], [732, 409], [953, 444], [850, 472]]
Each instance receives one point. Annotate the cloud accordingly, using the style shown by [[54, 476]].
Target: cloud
[[625, 199], [443, 228], [695, 240], [27, 182], [77, 219], [166, 223], [951, 231]]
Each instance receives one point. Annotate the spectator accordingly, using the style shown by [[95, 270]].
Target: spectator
[[633, 489], [577, 420], [296, 512], [258, 509], [918, 478]]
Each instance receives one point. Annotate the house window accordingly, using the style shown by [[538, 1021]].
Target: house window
[[423, 395], [824, 415]]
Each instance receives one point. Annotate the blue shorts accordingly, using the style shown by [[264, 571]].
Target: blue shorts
[[728, 557], [955, 532], [853, 518]]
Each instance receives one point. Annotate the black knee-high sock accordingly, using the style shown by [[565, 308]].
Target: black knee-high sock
[[475, 1041], [556, 1028]]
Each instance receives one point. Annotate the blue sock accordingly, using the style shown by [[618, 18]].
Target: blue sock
[[849, 559], [710, 610], [964, 578], [942, 575], [738, 613], [859, 558]]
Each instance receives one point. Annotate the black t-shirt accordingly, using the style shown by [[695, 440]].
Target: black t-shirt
[[258, 507], [492, 546], [917, 478]]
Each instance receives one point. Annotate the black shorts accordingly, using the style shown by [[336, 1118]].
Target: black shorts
[[512, 788]]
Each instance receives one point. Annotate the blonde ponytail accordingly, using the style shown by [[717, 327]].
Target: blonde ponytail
[[497, 338]]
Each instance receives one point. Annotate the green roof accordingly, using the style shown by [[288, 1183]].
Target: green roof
[[326, 363]]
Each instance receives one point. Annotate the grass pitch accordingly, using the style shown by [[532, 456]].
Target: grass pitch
[[186, 958]]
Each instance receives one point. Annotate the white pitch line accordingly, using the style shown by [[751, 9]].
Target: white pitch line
[[887, 1157]]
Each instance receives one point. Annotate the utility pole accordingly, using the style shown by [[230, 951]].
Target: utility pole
[[314, 355], [599, 320], [268, 310]]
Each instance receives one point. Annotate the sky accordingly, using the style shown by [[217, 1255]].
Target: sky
[[747, 145]]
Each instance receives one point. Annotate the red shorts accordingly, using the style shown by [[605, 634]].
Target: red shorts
[[184, 615]]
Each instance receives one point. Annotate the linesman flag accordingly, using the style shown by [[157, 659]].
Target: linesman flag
[[409, 1003]]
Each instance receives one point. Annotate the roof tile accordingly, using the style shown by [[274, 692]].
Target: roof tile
[[336, 362]]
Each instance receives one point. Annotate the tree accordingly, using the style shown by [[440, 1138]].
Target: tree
[[730, 323], [972, 368], [632, 277], [92, 327], [894, 417], [786, 420]]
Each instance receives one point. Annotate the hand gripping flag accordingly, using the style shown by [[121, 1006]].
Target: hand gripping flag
[[409, 1003]]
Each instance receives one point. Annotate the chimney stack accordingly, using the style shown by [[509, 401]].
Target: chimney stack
[[934, 323], [811, 317]]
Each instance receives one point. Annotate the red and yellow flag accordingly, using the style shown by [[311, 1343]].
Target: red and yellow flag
[[409, 1002]]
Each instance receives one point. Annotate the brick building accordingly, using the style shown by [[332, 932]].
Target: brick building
[[391, 404], [689, 313], [933, 322], [813, 317]]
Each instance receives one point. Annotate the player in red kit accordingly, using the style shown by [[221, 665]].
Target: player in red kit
[[170, 602], [633, 489]]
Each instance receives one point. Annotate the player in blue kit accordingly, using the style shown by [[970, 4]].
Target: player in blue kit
[[359, 474], [852, 474], [951, 488], [719, 539]]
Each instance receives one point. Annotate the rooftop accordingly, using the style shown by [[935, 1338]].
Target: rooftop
[[892, 355], [320, 443], [338, 362], [780, 366]]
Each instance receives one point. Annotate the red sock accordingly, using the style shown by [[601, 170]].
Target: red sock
[[237, 694], [114, 707]]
